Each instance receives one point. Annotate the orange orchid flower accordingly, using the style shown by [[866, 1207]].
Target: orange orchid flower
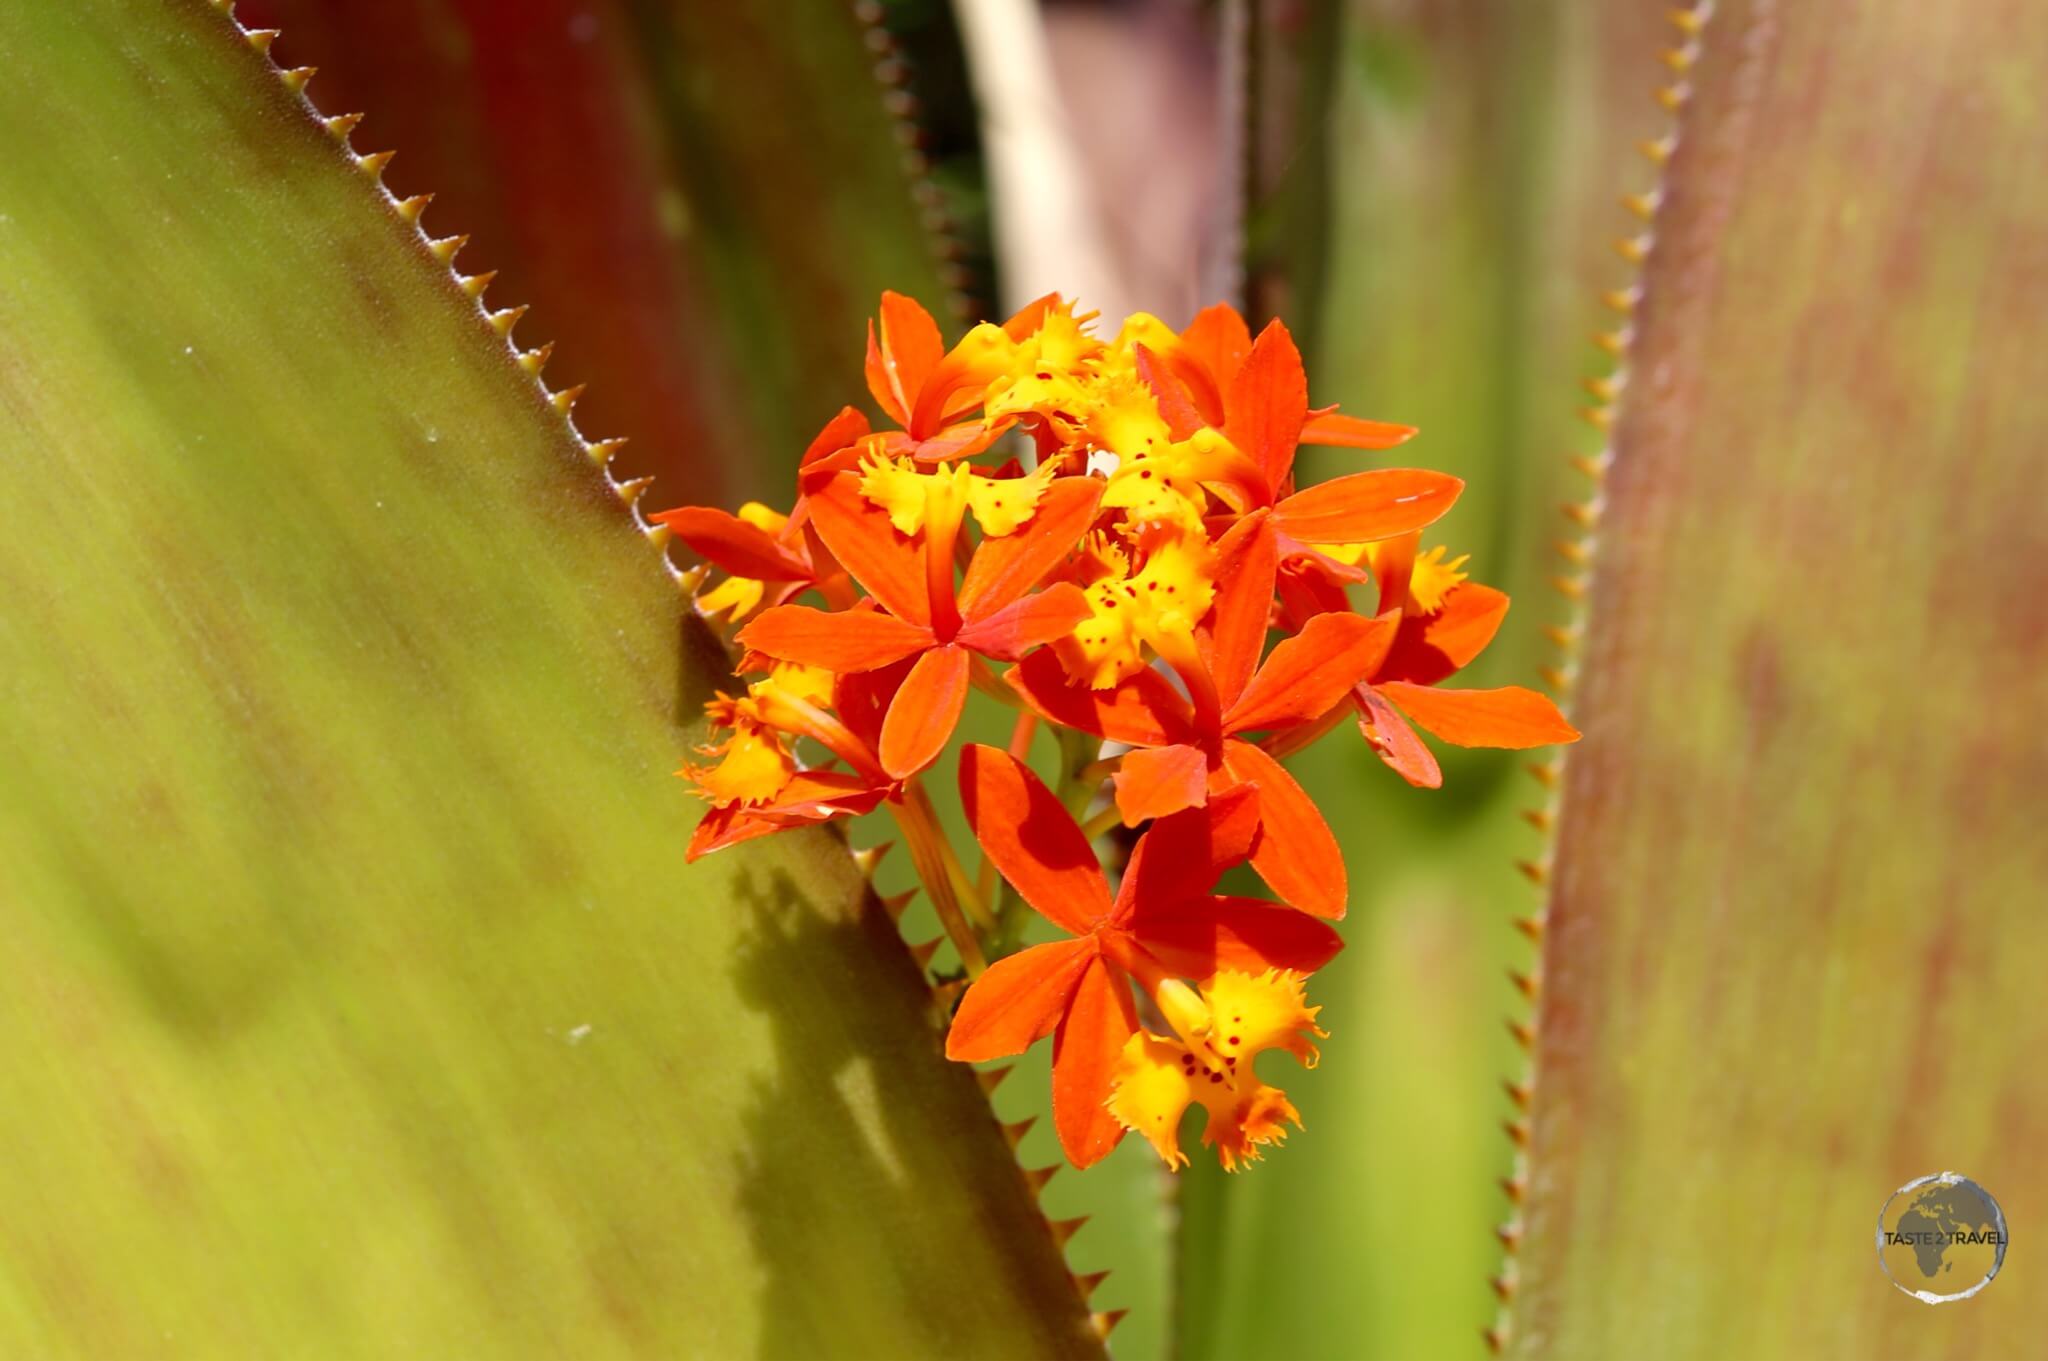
[[771, 558], [1188, 750], [1161, 925], [1129, 578], [923, 614], [1442, 629], [782, 795]]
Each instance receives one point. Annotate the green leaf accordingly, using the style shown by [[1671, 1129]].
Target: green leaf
[[1476, 150], [359, 999], [1793, 947], [701, 203]]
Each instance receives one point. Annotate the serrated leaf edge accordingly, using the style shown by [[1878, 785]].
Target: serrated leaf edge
[[1576, 551]]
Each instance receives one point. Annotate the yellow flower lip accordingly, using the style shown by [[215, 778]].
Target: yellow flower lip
[[1236, 1017]]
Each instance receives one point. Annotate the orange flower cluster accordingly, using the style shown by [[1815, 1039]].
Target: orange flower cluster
[[1124, 563]]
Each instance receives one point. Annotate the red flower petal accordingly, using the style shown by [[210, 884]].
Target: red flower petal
[[1145, 711], [859, 534], [1004, 568], [882, 382], [850, 640], [1510, 717], [843, 431], [1213, 348], [1099, 1020], [1267, 404], [1308, 674], [1430, 648], [1350, 432], [925, 711], [1181, 857], [1362, 507], [1176, 404], [1151, 783], [1015, 629], [1295, 852], [1019, 1001], [1197, 939], [910, 349], [1247, 557], [1395, 742], [731, 543], [1030, 316], [1032, 839]]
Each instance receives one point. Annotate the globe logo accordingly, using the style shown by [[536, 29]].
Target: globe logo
[[1941, 1238]]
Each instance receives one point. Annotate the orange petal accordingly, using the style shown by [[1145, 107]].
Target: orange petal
[[1030, 317], [1032, 839], [1176, 404], [1362, 507], [882, 382], [1430, 648], [1144, 711], [1180, 858], [1018, 627], [1214, 345], [1510, 717], [1395, 742], [1019, 1001], [843, 431], [1196, 940], [959, 441], [1308, 674], [1151, 783], [1004, 568], [910, 349], [860, 536], [925, 711], [850, 640], [729, 542], [1267, 404], [1100, 1019], [1247, 558], [1350, 432], [1295, 853]]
